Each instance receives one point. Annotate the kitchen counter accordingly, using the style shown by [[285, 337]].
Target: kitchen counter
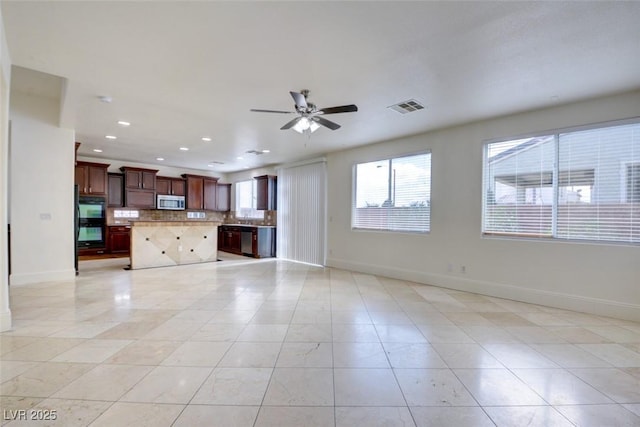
[[162, 222], [168, 243]]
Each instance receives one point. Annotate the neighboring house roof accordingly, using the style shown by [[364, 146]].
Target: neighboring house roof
[[527, 144]]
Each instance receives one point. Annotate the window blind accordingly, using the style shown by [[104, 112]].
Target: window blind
[[582, 185], [599, 204], [393, 194]]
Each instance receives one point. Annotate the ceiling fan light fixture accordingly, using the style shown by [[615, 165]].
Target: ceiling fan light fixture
[[304, 124]]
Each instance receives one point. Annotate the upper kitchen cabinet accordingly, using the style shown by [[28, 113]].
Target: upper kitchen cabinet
[[139, 187], [91, 178], [195, 188], [210, 192], [267, 188], [223, 197], [138, 178], [201, 192], [115, 197], [170, 186]]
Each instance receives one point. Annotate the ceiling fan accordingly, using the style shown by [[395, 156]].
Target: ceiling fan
[[309, 116]]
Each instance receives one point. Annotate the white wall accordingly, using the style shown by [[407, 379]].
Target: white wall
[[5, 84], [597, 278], [41, 204]]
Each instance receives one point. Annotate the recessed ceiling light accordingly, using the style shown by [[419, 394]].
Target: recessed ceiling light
[[239, 158], [184, 149], [206, 139], [160, 159], [105, 99], [266, 151], [111, 137], [123, 123], [97, 150], [210, 165]]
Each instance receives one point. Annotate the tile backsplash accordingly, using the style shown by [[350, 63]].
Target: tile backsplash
[[270, 218], [161, 215], [167, 215]]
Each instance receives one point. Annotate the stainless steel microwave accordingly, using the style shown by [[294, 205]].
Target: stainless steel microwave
[[174, 203]]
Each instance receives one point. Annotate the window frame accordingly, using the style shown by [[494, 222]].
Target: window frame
[[555, 133], [354, 194]]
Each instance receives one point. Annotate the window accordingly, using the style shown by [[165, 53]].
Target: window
[[246, 197], [582, 185], [393, 194]]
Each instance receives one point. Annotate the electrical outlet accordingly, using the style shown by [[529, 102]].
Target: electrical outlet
[[463, 269], [179, 248]]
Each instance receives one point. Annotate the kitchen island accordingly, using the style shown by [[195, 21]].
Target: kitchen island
[[168, 243]]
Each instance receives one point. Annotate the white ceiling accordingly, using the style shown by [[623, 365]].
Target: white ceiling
[[182, 70]]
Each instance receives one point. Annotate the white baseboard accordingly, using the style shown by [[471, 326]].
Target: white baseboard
[[44, 276], [598, 306], [5, 321]]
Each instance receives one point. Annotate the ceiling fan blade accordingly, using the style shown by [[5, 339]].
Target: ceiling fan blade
[[326, 123], [299, 99], [256, 110], [341, 109], [290, 124]]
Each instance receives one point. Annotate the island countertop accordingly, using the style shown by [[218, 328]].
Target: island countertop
[[161, 223]]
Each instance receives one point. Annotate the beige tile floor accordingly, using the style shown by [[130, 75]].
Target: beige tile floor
[[274, 343]]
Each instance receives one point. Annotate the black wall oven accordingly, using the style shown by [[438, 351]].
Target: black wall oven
[[91, 222]]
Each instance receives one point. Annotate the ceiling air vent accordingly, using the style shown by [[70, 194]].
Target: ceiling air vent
[[216, 162], [256, 152], [407, 106]]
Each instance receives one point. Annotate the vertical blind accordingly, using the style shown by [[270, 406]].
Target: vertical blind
[[582, 185], [393, 194], [301, 227]]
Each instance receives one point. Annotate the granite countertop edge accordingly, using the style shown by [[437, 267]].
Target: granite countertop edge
[[140, 222]]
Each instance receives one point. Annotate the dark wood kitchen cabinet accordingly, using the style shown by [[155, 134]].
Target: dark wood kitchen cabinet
[[115, 198], [140, 179], [267, 188], [119, 239], [263, 240], [201, 192], [209, 194], [91, 178], [230, 239], [139, 187], [223, 197], [170, 186]]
